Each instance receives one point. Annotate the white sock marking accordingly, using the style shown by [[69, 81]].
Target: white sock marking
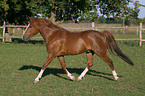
[[83, 73], [115, 75], [39, 76], [70, 75]]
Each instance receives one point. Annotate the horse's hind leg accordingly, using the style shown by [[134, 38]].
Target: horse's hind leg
[[110, 63], [89, 64], [62, 62]]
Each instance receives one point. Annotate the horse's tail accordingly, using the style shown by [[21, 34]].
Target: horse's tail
[[112, 45]]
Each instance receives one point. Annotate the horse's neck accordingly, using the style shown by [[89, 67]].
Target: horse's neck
[[47, 33], [50, 32]]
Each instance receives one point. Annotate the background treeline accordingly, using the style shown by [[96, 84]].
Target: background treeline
[[17, 11], [127, 21]]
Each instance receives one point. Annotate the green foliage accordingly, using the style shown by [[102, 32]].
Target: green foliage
[[14, 11], [136, 9], [17, 11], [102, 19], [1, 32], [115, 8], [63, 9], [143, 21], [138, 21]]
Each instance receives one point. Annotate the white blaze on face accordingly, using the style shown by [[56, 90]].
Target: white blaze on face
[[26, 28]]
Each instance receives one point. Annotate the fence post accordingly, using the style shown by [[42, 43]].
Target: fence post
[[4, 28], [93, 25], [140, 34]]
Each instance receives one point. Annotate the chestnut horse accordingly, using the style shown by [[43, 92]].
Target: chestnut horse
[[61, 42]]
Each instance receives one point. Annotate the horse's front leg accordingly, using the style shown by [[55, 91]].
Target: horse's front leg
[[48, 61], [89, 64], [62, 62]]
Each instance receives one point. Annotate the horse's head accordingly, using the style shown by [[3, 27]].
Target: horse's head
[[31, 30]]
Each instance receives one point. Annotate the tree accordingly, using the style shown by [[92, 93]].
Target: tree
[[91, 12], [113, 8], [136, 10], [17, 11], [74, 9], [133, 14], [101, 19], [118, 9], [13, 11], [58, 9]]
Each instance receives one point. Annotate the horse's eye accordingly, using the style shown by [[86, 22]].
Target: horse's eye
[[30, 26]]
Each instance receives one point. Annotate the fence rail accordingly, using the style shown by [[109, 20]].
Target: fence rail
[[16, 26], [138, 31], [108, 28]]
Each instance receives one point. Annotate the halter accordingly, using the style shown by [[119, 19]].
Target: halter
[[26, 29]]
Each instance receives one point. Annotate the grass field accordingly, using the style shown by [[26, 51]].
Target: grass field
[[20, 63]]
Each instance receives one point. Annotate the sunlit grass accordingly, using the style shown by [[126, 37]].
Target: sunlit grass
[[21, 63]]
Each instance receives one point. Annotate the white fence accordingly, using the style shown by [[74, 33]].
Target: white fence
[[10, 26], [141, 39], [137, 29]]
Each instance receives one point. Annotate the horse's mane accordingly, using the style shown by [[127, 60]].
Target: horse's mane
[[49, 23]]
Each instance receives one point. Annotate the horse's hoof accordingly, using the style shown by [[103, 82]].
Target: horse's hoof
[[36, 81], [73, 78], [79, 79], [117, 79]]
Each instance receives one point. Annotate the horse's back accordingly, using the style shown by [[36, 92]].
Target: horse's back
[[96, 39], [78, 42]]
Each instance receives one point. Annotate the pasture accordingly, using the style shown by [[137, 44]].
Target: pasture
[[20, 64]]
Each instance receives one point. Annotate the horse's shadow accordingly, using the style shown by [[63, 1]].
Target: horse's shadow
[[56, 72]]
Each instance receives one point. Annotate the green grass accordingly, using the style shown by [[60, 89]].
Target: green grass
[[21, 63]]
